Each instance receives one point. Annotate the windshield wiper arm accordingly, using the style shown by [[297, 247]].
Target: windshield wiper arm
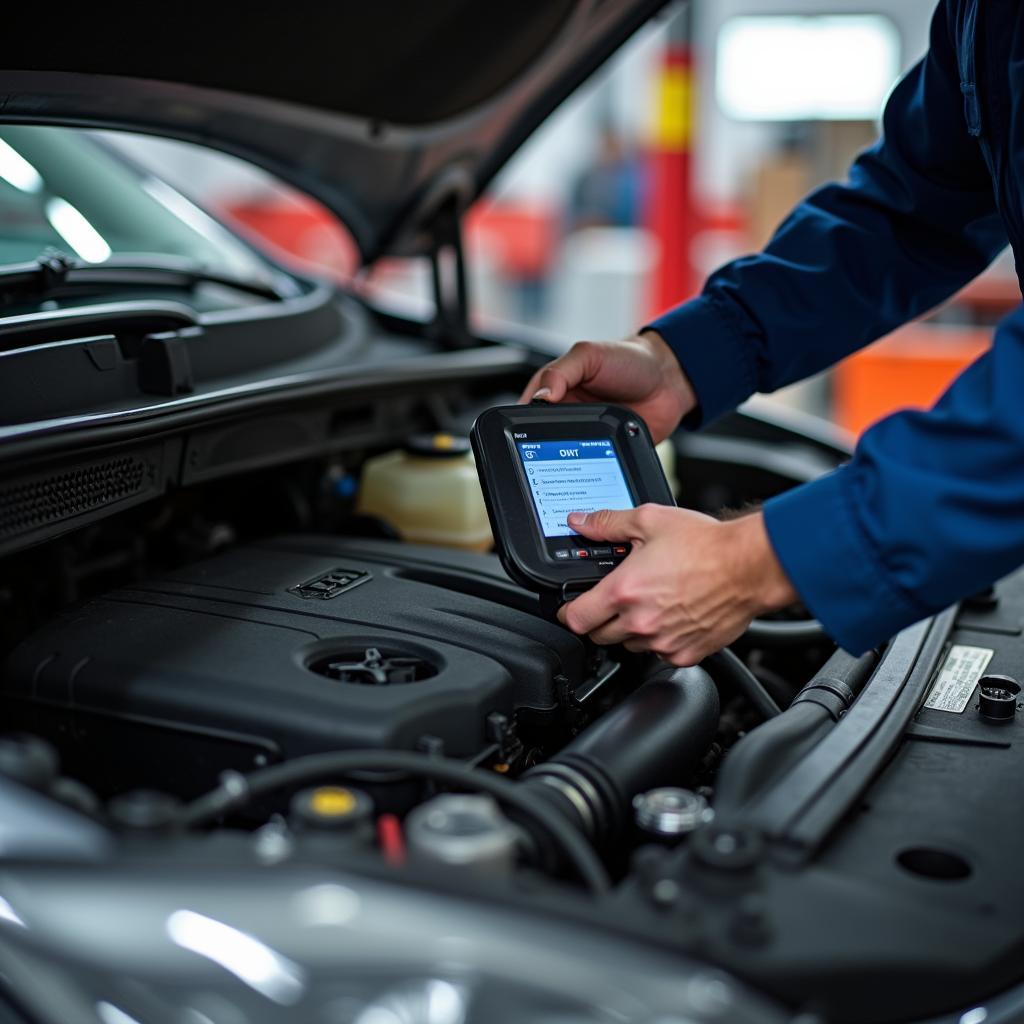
[[53, 273]]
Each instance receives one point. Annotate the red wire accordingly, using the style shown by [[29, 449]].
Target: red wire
[[390, 838]]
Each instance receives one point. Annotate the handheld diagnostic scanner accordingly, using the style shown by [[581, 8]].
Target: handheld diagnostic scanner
[[539, 462]]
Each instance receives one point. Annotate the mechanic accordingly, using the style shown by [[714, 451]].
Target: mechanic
[[931, 506]]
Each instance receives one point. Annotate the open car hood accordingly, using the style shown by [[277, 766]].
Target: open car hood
[[385, 112]]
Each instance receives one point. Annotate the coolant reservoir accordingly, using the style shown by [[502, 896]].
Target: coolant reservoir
[[429, 492]]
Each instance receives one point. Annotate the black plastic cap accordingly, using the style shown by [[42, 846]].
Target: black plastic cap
[[726, 848], [997, 698]]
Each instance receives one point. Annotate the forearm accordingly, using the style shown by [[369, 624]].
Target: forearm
[[753, 568]]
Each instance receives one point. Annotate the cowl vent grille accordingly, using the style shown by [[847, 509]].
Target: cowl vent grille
[[27, 506]]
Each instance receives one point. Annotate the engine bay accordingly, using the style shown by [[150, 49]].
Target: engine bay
[[299, 645], [253, 665]]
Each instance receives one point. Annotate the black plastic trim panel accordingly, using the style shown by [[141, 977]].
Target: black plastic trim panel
[[69, 493], [805, 805], [250, 427], [420, 372], [95, 360]]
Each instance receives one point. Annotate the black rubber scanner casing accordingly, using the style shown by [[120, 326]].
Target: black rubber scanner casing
[[520, 544]]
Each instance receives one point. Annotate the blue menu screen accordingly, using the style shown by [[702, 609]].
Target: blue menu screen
[[572, 476]]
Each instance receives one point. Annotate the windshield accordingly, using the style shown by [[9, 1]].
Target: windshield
[[67, 189]]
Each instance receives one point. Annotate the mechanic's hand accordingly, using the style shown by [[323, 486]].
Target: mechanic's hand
[[689, 587], [641, 372]]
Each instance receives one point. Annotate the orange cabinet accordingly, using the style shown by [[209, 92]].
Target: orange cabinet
[[908, 369]]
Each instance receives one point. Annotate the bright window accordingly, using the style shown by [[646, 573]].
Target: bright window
[[815, 68]]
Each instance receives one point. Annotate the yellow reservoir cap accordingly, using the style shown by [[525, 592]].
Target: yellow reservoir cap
[[332, 801], [335, 809]]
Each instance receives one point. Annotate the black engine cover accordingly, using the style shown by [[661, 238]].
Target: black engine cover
[[262, 653]]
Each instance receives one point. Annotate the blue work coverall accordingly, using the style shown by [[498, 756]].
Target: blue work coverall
[[931, 506]]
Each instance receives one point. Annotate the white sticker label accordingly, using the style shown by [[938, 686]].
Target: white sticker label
[[963, 667]]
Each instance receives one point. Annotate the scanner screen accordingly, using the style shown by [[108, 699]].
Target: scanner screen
[[572, 476]]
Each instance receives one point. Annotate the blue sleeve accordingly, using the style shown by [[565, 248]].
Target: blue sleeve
[[930, 508], [915, 221]]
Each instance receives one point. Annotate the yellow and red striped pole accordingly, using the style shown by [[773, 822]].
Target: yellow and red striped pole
[[671, 214]]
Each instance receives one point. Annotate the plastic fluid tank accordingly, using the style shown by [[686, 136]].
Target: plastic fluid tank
[[429, 492]]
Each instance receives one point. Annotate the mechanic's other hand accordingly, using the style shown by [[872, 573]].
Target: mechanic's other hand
[[689, 587], [641, 372]]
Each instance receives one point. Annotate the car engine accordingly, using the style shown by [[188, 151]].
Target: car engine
[[309, 644], [255, 668], [295, 646]]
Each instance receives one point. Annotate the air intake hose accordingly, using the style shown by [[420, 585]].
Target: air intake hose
[[653, 738], [765, 752]]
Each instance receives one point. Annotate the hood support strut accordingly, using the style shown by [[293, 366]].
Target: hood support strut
[[448, 267]]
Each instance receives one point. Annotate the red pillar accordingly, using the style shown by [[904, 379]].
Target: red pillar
[[671, 215]]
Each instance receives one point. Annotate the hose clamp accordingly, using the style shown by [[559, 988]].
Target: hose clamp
[[581, 793]]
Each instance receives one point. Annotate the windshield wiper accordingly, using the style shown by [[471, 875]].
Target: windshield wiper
[[53, 273]]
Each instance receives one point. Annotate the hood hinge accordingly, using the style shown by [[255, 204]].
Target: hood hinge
[[448, 268]]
